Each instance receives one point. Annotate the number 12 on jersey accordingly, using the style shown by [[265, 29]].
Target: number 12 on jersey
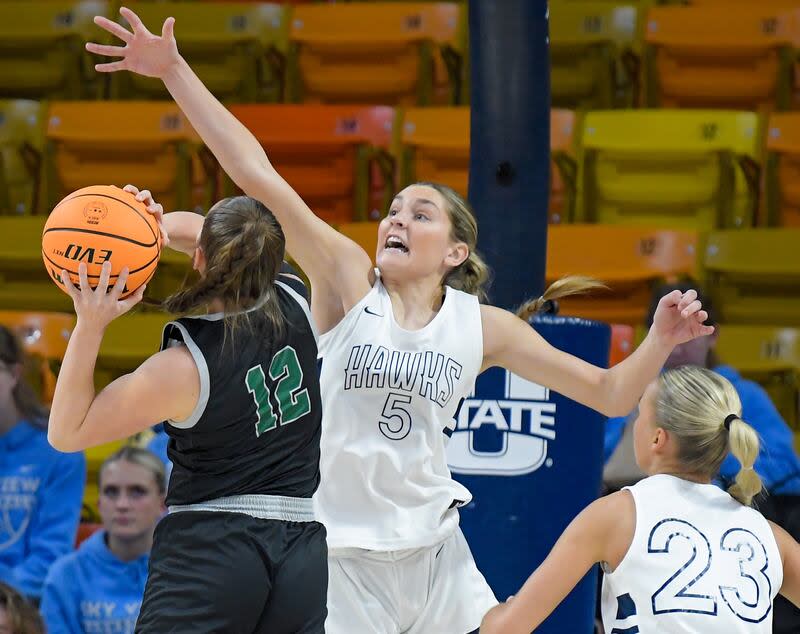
[[293, 403]]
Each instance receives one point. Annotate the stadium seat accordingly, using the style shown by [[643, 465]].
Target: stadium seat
[[782, 195], [754, 275], [365, 234], [769, 355], [629, 260], [335, 58], [435, 147], [335, 156], [45, 337], [682, 169], [24, 282], [622, 343], [152, 150], [127, 342], [715, 57], [238, 49], [41, 48], [589, 45], [21, 146], [85, 530]]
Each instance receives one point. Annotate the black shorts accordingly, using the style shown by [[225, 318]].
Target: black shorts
[[235, 574]]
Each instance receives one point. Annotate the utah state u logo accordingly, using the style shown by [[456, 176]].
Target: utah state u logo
[[503, 428]]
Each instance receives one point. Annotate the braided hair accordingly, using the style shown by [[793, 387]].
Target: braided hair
[[244, 248]]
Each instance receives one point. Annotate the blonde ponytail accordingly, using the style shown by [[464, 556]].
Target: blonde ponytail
[[744, 446], [702, 410], [566, 286]]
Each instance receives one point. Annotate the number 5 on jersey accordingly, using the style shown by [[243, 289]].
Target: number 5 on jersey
[[293, 403]]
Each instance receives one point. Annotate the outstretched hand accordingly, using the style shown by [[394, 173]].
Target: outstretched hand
[[144, 53], [98, 307], [680, 318]]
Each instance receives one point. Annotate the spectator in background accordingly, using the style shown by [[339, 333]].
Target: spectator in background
[[40, 488], [158, 445], [18, 616], [777, 464], [99, 587]]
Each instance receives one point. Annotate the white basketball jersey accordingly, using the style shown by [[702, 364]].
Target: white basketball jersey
[[389, 396], [699, 563]]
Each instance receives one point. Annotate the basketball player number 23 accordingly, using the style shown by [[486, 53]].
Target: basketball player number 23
[[293, 403], [749, 597]]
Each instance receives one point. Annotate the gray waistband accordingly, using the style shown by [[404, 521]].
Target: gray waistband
[[265, 507]]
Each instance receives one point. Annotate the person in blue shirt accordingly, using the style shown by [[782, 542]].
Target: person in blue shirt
[[40, 488], [777, 463], [99, 587]]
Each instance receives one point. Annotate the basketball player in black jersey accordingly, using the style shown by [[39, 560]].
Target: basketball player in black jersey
[[239, 551]]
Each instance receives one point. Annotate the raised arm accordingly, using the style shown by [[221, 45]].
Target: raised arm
[[602, 532], [336, 266], [511, 343]]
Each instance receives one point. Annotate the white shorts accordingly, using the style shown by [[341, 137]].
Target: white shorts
[[436, 590]]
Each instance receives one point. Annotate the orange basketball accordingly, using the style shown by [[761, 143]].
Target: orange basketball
[[100, 223]]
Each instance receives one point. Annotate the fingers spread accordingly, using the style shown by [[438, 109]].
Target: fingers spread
[[104, 49], [114, 28], [111, 67], [119, 287]]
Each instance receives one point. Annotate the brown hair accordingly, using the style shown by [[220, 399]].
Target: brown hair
[[244, 248], [139, 456], [22, 616], [693, 403], [12, 354], [472, 275]]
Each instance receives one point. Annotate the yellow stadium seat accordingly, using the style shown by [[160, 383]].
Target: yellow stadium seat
[[336, 58], [45, 337], [24, 282], [127, 342], [87, 145], [715, 57], [682, 169], [41, 48], [754, 275], [21, 146], [589, 43], [336, 157], [365, 234], [238, 49], [783, 171], [629, 260], [435, 147], [769, 355]]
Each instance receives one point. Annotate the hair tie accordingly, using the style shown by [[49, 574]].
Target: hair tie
[[549, 307], [728, 420]]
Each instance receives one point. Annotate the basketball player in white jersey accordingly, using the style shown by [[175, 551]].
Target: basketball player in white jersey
[[679, 553], [401, 346]]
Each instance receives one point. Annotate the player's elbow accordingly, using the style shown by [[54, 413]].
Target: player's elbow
[[63, 442]]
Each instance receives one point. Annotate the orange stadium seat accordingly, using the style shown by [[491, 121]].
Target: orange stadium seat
[[87, 144], [45, 337], [336, 157], [629, 260], [713, 57], [622, 343], [754, 275], [334, 57], [238, 49], [435, 147], [21, 147], [365, 234], [782, 193]]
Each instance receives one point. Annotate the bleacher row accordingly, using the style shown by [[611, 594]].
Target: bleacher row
[[637, 195], [732, 54]]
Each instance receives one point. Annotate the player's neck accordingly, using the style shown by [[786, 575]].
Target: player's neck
[[677, 470], [129, 549], [415, 304]]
